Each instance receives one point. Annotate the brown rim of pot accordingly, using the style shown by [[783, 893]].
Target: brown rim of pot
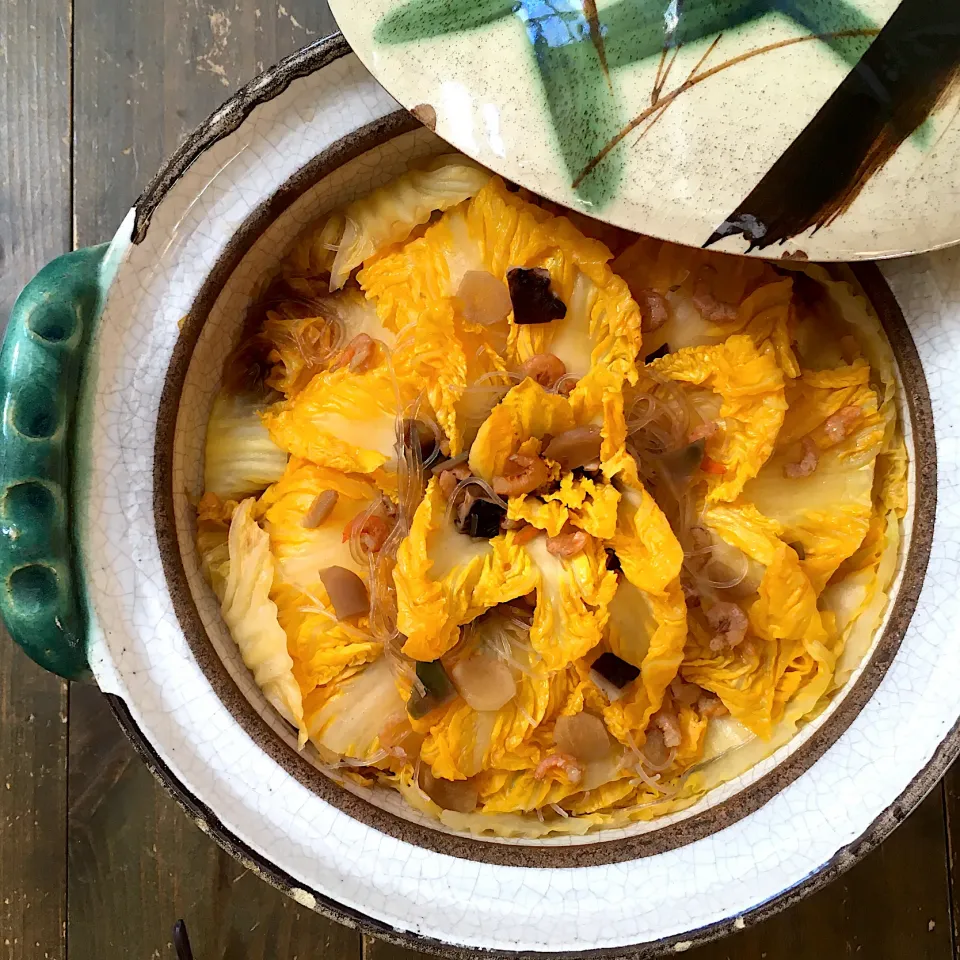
[[229, 117], [533, 854], [220, 124], [652, 842], [207, 821]]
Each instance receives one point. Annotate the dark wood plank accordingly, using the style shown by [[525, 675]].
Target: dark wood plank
[[146, 73], [33, 787], [374, 949], [34, 228], [137, 864], [951, 789], [35, 149], [894, 905]]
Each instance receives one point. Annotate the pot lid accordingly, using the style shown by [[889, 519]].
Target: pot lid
[[825, 129]]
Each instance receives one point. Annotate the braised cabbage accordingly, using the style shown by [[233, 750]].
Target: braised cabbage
[[549, 541]]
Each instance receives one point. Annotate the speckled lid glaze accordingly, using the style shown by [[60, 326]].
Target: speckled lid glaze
[[820, 129], [314, 132]]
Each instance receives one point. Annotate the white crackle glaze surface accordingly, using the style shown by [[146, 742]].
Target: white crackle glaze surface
[[140, 654], [220, 332]]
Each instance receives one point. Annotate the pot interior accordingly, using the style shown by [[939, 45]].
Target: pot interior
[[209, 333]]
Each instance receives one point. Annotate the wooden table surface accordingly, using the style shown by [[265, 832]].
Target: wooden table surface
[[95, 860]]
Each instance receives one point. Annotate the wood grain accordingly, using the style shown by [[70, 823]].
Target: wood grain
[[147, 71], [33, 835], [374, 949], [893, 905], [34, 228], [137, 864], [951, 790], [35, 144]]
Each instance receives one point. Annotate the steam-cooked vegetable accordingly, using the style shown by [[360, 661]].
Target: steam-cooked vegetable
[[323, 647], [444, 579], [827, 511], [252, 616], [572, 600], [415, 290], [302, 550], [308, 328], [542, 555], [388, 215], [750, 386], [240, 458], [350, 718], [323, 422]]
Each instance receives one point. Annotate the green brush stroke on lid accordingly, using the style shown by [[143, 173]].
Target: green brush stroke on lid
[[584, 110]]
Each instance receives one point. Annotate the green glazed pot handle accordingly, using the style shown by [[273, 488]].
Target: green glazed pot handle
[[40, 367]]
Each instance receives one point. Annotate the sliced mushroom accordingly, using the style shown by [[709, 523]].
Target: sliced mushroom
[[614, 670], [480, 518], [458, 795], [412, 431], [661, 351], [582, 736], [320, 509], [347, 592], [485, 682], [655, 750], [575, 448]]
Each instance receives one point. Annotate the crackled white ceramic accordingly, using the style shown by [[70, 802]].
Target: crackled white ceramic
[[820, 129], [239, 780]]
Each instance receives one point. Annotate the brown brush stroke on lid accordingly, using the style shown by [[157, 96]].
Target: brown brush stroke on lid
[[903, 77], [655, 96], [593, 21], [884, 147], [706, 75]]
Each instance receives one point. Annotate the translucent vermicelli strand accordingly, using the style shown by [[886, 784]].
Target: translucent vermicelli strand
[[558, 602]]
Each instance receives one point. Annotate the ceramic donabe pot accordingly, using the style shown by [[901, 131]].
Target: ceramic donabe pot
[[99, 567]]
